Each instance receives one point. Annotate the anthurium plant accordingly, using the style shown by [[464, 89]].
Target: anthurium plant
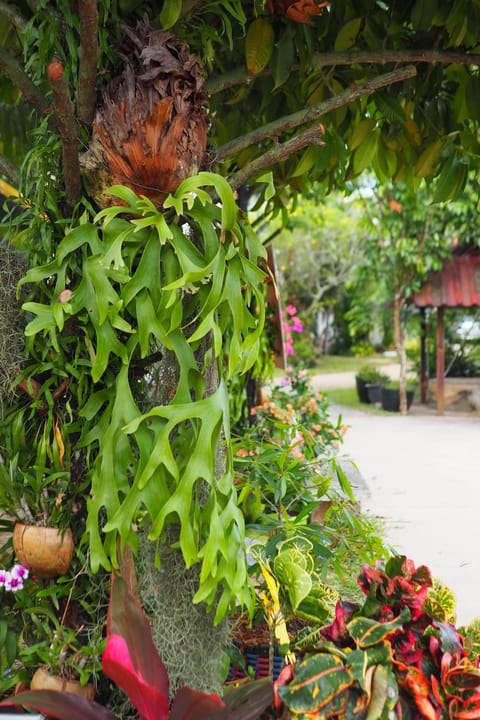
[[387, 659], [132, 662]]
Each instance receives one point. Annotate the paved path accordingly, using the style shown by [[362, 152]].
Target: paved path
[[347, 379], [421, 473]]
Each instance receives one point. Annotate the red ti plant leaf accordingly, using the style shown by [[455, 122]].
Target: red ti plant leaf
[[286, 675], [131, 659], [194, 704], [245, 702], [61, 705]]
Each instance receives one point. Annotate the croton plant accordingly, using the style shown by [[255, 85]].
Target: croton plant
[[387, 659]]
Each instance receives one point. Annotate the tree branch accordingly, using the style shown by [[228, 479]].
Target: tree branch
[[10, 171], [20, 79], [314, 112], [142, 365], [88, 52], [365, 57], [63, 115], [276, 154], [241, 76], [13, 15]]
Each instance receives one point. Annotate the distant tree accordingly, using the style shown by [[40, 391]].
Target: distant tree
[[317, 253], [409, 237]]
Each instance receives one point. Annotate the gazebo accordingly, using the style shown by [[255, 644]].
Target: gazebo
[[457, 284]]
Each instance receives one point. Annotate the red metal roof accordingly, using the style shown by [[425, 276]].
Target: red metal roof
[[456, 285]]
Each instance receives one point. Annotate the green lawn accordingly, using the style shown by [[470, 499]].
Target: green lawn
[[345, 396], [343, 363], [348, 398]]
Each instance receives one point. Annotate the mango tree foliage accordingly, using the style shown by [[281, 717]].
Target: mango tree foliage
[[386, 86]]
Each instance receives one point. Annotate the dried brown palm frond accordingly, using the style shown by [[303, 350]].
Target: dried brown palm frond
[[150, 130]]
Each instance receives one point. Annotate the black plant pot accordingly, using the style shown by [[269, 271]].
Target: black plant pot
[[362, 391], [374, 392], [390, 399]]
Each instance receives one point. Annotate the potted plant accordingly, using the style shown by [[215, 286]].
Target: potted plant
[[40, 502], [390, 396], [369, 379], [36, 487], [64, 663], [50, 629]]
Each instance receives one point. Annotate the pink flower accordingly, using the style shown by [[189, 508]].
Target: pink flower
[[296, 325], [13, 583], [20, 572], [291, 310], [13, 580]]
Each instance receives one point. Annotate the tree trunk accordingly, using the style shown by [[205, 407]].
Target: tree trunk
[[399, 336], [192, 648]]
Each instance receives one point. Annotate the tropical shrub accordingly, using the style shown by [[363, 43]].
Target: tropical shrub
[[386, 658], [303, 527], [372, 374]]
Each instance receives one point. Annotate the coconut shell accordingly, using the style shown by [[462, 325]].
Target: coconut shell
[[46, 552], [43, 680]]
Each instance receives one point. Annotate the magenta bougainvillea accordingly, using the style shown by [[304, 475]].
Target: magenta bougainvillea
[[291, 324]]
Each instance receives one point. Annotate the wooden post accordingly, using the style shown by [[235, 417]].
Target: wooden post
[[423, 357], [440, 361]]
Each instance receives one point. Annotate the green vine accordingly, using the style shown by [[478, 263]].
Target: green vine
[[135, 282]]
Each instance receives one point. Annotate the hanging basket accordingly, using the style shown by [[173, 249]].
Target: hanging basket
[[46, 552], [43, 680]]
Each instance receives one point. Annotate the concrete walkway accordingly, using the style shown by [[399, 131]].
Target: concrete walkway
[[421, 474]]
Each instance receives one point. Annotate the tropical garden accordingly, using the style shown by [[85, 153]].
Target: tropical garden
[[150, 155]]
